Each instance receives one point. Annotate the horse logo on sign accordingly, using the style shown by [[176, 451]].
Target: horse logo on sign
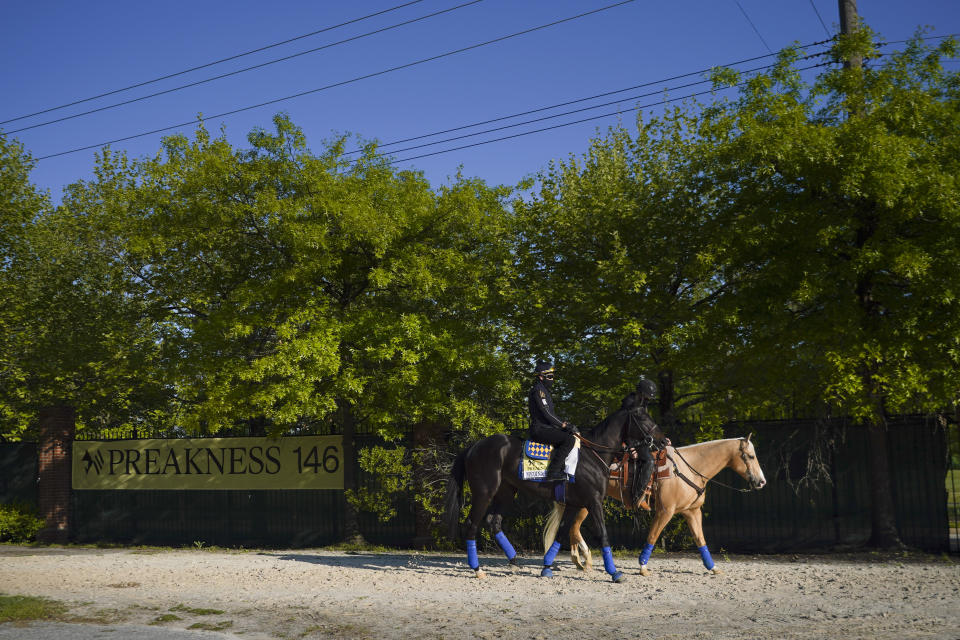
[[95, 461]]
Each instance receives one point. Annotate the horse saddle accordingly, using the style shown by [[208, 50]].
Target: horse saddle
[[663, 468], [536, 457], [620, 478]]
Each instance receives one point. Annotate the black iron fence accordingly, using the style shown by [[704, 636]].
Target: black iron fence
[[817, 497], [818, 491]]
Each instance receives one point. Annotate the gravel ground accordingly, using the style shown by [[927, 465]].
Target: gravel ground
[[330, 594]]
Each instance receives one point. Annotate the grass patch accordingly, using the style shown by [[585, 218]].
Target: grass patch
[[208, 626], [355, 547], [196, 612], [167, 617], [25, 608]]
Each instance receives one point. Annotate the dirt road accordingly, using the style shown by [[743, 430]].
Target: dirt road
[[327, 594]]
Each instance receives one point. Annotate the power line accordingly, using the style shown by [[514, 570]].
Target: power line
[[593, 97], [605, 115], [820, 18], [619, 112], [590, 108], [215, 62], [559, 115], [753, 25], [344, 82], [582, 120], [245, 69]]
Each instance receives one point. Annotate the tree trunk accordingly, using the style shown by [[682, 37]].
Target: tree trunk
[[668, 414], [883, 522], [883, 516], [351, 518], [426, 435]]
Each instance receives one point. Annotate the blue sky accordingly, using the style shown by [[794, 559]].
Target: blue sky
[[53, 53]]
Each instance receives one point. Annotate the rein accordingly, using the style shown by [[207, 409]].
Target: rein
[[623, 433], [597, 449]]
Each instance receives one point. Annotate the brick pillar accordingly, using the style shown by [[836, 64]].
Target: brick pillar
[[54, 486]]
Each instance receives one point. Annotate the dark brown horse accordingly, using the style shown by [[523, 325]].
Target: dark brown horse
[[491, 466]]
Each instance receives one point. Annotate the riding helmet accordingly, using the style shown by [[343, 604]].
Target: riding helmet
[[647, 388], [543, 366]]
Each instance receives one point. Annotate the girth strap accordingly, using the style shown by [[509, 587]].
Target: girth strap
[[700, 490]]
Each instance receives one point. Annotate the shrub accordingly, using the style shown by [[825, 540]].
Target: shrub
[[18, 523]]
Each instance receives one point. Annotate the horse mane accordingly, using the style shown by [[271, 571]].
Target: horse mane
[[697, 444], [606, 421]]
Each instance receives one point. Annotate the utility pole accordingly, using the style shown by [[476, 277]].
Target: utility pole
[[883, 514], [849, 23]]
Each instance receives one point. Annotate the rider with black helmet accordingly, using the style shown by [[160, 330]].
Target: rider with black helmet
[[545, 426], [646, 391]]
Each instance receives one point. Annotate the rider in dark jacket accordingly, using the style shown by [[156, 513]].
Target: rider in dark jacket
[[545, 426], [646, 391]]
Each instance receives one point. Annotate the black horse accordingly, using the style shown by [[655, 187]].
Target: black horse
[[491, 466]]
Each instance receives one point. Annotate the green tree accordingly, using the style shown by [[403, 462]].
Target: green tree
[[302, 291], [842, 214], [71, 334], [618, 259]]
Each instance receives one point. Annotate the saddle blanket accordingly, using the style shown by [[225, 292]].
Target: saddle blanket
[[536, 457]]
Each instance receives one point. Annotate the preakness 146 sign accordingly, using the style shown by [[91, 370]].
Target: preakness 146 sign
[[307, 462]]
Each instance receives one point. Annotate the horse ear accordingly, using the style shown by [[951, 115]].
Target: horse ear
[[749, 436]]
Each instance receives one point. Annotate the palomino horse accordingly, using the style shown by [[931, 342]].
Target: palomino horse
[[683, 493], [491, 467]]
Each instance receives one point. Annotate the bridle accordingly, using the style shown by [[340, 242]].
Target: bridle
[[700, 490], [627, 444]]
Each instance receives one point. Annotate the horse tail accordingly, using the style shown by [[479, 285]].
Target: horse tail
[[552, 525], [453, 502]]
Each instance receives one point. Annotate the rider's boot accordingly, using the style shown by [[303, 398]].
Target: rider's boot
[[555, 469], [646, 481]]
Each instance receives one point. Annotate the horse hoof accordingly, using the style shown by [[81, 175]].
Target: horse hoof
[[513, 565], [479, 573], [644, 571], [618, 577], [546, 573], [716, 571]]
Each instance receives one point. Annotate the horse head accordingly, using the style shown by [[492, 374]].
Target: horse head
[[640, 426], [748, 466]]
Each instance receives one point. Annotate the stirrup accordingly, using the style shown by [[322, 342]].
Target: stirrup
[[645, 501]]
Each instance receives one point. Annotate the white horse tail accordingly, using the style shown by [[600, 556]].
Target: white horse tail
[[553, 524]]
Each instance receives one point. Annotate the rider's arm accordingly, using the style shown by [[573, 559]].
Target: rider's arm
[[541, 405]]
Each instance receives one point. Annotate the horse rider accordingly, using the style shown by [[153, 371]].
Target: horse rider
[[545, 426], [645, 392]]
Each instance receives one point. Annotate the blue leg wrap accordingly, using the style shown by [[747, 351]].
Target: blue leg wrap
[[472, 558], [505, 545], [548, 560], [551, 554], [645, 554], [608, 560], [705, 556]]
